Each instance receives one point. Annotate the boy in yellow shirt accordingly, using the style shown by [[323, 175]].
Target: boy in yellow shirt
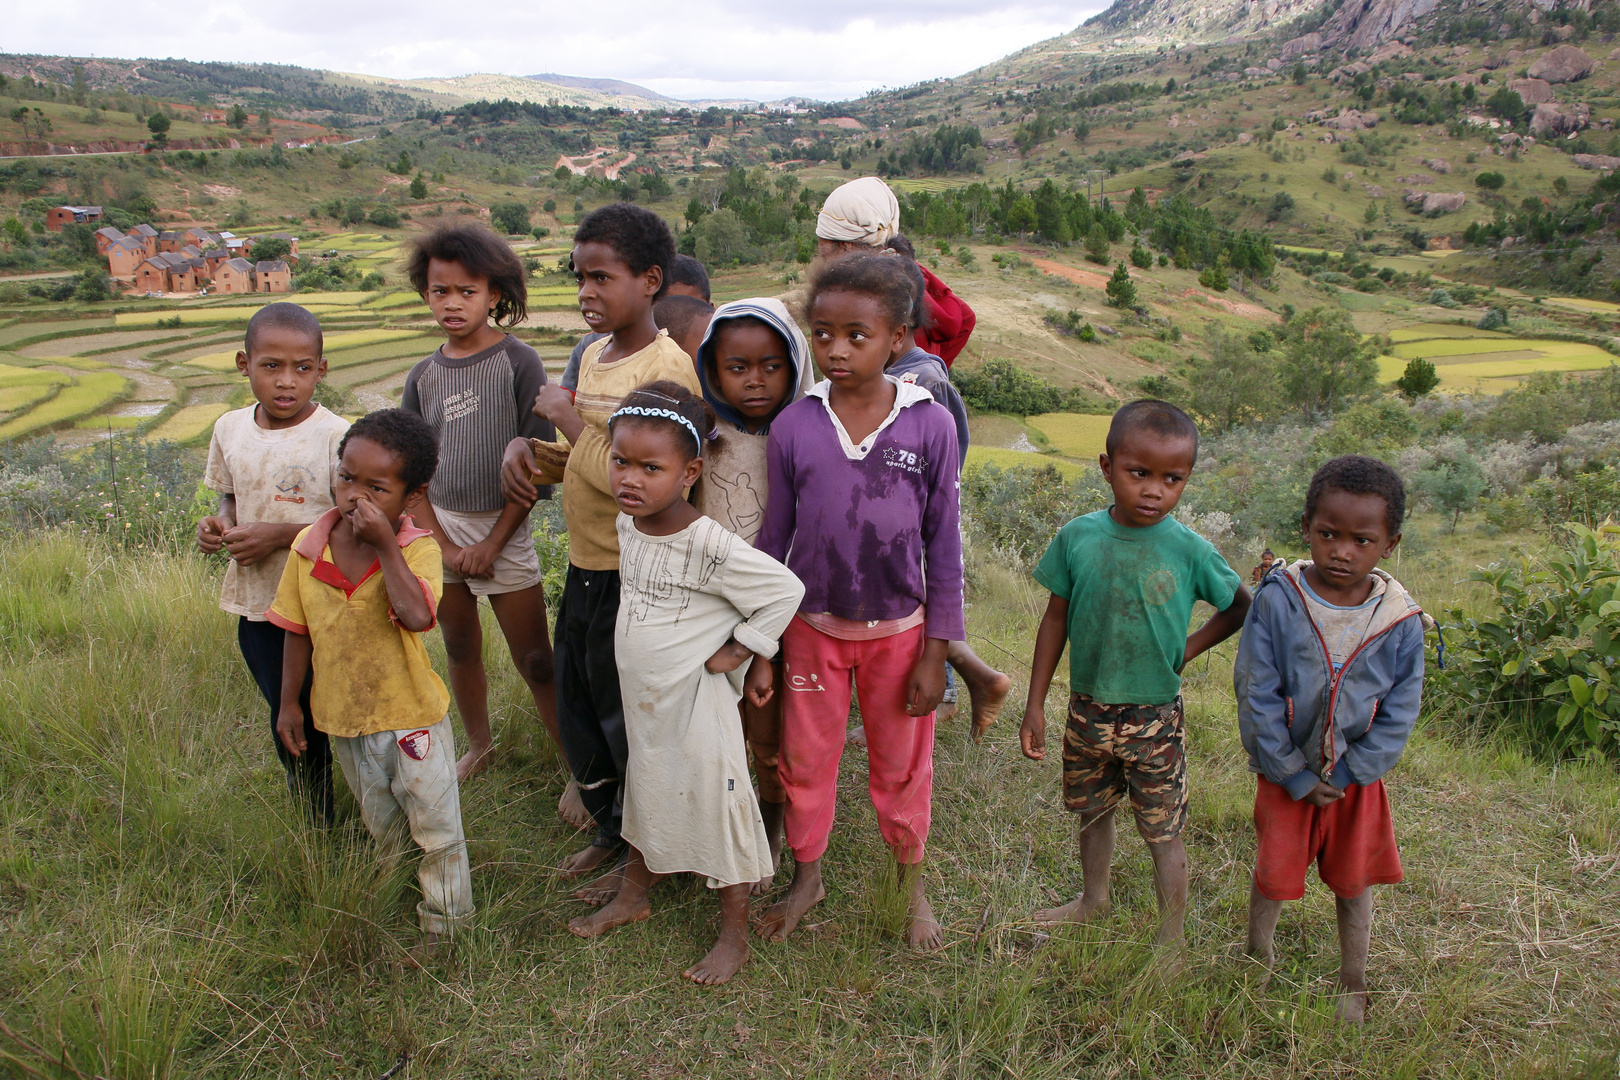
[[361, 587]]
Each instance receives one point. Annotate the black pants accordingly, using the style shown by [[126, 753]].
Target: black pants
[[309, 777], [590, 715]]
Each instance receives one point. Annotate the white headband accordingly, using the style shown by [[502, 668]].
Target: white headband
[[660, 414]]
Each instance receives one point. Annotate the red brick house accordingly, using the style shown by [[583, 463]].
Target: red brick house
[[124, 256], [167, 273], [233, 276], [272, 277], [170, 241], [106, 237], [58, 216], [147, 237], [214, 258]]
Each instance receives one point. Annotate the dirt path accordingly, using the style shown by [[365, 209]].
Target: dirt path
[[1072, 273], [1236, 307]]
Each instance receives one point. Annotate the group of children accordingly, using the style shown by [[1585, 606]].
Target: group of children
[[750, 547]]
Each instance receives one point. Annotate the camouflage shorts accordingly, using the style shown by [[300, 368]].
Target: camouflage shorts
[[1109, 750]]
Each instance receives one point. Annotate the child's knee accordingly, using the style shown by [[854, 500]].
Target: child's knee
[[537, 666], [464, 648]]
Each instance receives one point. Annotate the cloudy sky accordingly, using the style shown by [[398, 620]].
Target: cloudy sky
[[830, 49]]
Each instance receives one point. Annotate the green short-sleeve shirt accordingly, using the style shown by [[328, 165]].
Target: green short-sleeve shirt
[[1131, 594]]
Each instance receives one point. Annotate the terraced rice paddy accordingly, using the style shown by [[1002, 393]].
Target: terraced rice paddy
[[1485, 361], [1076, 435]]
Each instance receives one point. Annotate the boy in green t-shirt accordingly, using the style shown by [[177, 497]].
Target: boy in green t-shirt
[[1123, 583]]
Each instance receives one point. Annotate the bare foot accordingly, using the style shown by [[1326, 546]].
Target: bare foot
[[585, 860], [924, 933], [945, 711], [782, 918], [619, 913], [1352, 1007], [423, 952], [1076, 911], [856, 736], [571, 808], [729, 954], [603, 889], [988, 694], [474, 761]]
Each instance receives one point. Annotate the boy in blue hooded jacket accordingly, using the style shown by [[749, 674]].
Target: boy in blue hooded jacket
[[1329, 675], [753, 362]]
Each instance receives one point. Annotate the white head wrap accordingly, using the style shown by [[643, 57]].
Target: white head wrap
[[862, 211]]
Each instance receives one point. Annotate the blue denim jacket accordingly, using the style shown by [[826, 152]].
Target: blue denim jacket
[[1299, 721]]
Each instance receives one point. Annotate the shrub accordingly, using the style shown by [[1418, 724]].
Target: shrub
[[1494, 319], [511, 218], [1588, 498], [1490, 181], [1419, 378], [1541, 663], [1001, 386], [1214, 277], [385, 216], [1120, 289], [1141, 258], [1016, 512], [136, 493]]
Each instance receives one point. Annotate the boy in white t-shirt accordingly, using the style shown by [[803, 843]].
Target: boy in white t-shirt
[[272, 466]]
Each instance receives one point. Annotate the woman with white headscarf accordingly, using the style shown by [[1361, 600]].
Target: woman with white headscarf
[[865, 213]]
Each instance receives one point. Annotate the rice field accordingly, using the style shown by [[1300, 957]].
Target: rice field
[[1020, 459], [89, 392], [1077, 435], [22, 388], [1491, 365], [193, 423]]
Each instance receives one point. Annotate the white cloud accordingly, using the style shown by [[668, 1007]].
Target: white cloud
[[705, 48]]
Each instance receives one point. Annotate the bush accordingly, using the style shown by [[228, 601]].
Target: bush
[[136, 493], [385, 216], [1490, 181], [1588, 498], [1214, 277], [1001, 386], [1542, 662], [1016, 512], [1494, 319], [511, 218], [1418, 379], [1141, 258]]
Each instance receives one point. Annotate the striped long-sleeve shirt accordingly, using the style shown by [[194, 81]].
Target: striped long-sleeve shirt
[[476, 405]]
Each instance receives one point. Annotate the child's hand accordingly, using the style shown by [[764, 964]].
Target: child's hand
[[371, 525], [253, 542], [517, 473], [211, 533], [290, 729], [1032, 735], [728, 657], [1323, 794], [553, 402], [925, 688], [477, 560], [760, 685]]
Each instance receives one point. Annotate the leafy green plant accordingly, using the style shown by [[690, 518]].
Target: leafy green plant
[[1543, 659], [1418, 379], [1585, 497]]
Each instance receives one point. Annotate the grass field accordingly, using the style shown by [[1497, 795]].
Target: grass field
[[1019, 459], [22, 388], [191, 424], [170, 917], [1492, 365]]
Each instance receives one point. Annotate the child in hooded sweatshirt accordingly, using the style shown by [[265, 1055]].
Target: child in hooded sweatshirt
[[1329, 676], [753, 363]]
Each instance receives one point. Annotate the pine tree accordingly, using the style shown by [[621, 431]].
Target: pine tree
[[1121, 289]]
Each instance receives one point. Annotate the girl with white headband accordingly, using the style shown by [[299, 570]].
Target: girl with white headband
[[700, 613]]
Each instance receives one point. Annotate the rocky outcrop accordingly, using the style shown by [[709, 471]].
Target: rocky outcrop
[[1532, 91], [1551, 119], [1344, 120], [1596, 161], [1563, 64], [1366, 24], [1439, 165], [1303, 45], [1435, 202]]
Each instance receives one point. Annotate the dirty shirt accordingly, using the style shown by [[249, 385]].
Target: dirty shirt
[[1131, 594]]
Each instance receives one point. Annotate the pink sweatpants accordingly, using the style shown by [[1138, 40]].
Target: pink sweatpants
[[818, 673]]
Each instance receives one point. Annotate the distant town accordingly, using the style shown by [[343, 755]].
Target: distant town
[[146, 261]]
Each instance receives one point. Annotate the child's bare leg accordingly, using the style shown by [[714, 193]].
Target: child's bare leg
[[1096, 859], [627, 906], [782, 918], [1263, 915], [730, 950], [522, 616], [1170, 886], [987, 687], [1355, 939], [773, 813], [464, 647], [923, 931]]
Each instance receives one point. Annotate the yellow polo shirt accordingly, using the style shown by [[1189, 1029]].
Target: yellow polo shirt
[[371, 674]]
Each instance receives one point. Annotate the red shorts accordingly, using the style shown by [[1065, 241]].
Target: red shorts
[[1351, 839]]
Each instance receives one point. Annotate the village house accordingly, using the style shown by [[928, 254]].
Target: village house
[[199, 236], [147, 237], [106, 237], [211, 116], [292, 241], [170, 241], [58, 216], [272, 277], [213, 259], [233, 276], [167, 273], [124, 256]]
